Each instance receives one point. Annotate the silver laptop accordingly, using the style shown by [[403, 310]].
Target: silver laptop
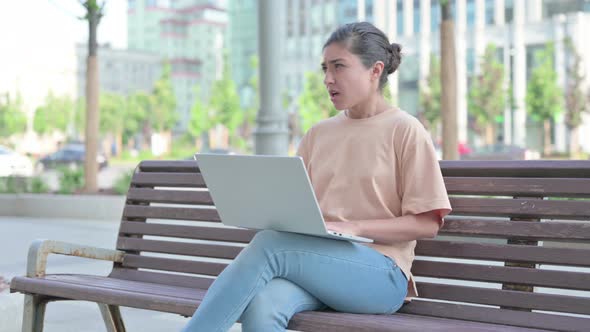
[[265, 192]]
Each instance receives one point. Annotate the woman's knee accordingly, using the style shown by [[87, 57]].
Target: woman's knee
[[262, 314]]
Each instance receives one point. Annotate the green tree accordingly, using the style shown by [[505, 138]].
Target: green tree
[[55, 114], [201, 121], [224, 104], [113, 117], [487, 96], [575, 100], [430, 98], [138, 106], [314, 102], [12, 118], [163, 116], [544, 98]]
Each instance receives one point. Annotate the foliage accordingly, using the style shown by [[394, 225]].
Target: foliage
[[121, 185], [12, 118], [430, 96], [314, 102], [544, 98], [70, 180]]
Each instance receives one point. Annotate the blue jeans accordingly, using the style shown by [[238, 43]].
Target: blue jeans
[[280, 274]]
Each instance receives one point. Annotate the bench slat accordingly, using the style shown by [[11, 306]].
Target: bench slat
[[521, 208], [502, 274], [148, 195], [161, 278], [551, 230], [169, 166], [175, 213], [183, 180], [524, 187], [503, 252], [516, 299], [174, 265], [187, 232], [498, 316], [519, 168], [179, 248]]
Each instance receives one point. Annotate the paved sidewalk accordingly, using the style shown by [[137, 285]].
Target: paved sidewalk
[[16, 233]]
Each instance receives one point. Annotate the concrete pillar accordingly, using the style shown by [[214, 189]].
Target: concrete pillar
[[499, 12], [479, 36], [379, 14], [560, 68], [534, 10], [519, 77], [408, 17], [460, 27], [392, 34], [360, 10], [425, 41], [271, 133]]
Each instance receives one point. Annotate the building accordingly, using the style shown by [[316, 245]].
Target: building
[[189, 35], [518, 28], [120, 71]]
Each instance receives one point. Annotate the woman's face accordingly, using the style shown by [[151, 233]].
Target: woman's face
[[348, 82]]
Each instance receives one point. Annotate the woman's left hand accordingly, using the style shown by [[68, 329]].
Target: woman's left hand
[[345, 227]]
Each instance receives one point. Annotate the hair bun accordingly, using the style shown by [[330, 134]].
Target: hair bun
[[395, 51]]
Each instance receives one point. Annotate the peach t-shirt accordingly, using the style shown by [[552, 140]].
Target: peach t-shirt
[[381, 167]]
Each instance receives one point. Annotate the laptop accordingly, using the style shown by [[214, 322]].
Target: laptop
[[265, 192]]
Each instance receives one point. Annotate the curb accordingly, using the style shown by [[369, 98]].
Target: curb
[[11, 311]]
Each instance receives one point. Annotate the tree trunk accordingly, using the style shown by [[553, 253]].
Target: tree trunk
[[547, 138], [490, 137], [448, 85], [92, 100], [574, 146]]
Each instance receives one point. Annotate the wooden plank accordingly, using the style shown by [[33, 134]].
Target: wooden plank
[[521, 208], [501, 252], [171, 166], [161, 278], [518, 168], [187, 232], [173, 265], [535, 301], [175, 213], [148, 195], [497, 228], [502, 274], [497, 316], [179, 248], [541, 187], [160, 179]]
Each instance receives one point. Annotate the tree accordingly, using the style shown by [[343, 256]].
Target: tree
[[55, 114], [314, 102], [201, 120], [163, 115], [94, 13], [448, 81], [544, 99], [113, 117], [225, 104], [487, 96], [12, 118], [575, 100], [138, 105], [430, 95]]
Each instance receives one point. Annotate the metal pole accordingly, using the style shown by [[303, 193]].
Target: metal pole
[[271, 133]]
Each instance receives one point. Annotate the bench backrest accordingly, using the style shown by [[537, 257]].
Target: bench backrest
[[515, 250]]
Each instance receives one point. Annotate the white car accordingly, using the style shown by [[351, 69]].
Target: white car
[[14, 164]]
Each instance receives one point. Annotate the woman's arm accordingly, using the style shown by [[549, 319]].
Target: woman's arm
[[387, 231]]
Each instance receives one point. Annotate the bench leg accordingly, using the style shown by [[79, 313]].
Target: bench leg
[[112, 317], [33, 313]]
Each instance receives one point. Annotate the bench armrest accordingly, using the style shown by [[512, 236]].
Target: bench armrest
[[40, 249]]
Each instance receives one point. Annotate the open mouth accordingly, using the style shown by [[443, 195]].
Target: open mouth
[[334, 94]]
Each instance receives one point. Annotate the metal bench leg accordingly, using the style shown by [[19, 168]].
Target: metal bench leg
[[112, 317], [33, 313]]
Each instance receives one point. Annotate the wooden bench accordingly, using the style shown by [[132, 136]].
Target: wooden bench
[[507, 259]]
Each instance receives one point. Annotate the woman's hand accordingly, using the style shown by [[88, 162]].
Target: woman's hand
[[345, 227]]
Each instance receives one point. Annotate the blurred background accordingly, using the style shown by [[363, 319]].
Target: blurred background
[[182, 76]]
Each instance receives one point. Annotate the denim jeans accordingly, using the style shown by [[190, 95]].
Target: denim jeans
[[280, 274]]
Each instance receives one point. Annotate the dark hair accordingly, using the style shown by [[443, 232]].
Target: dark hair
[[370, 44]]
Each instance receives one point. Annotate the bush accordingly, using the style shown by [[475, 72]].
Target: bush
[[20, 185], [122, 183], [70, 180]]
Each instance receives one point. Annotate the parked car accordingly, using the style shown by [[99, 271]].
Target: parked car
[[501, 152], [72, 156], [14, 164]]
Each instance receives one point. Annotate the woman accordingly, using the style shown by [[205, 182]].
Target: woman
[[375, 174]]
